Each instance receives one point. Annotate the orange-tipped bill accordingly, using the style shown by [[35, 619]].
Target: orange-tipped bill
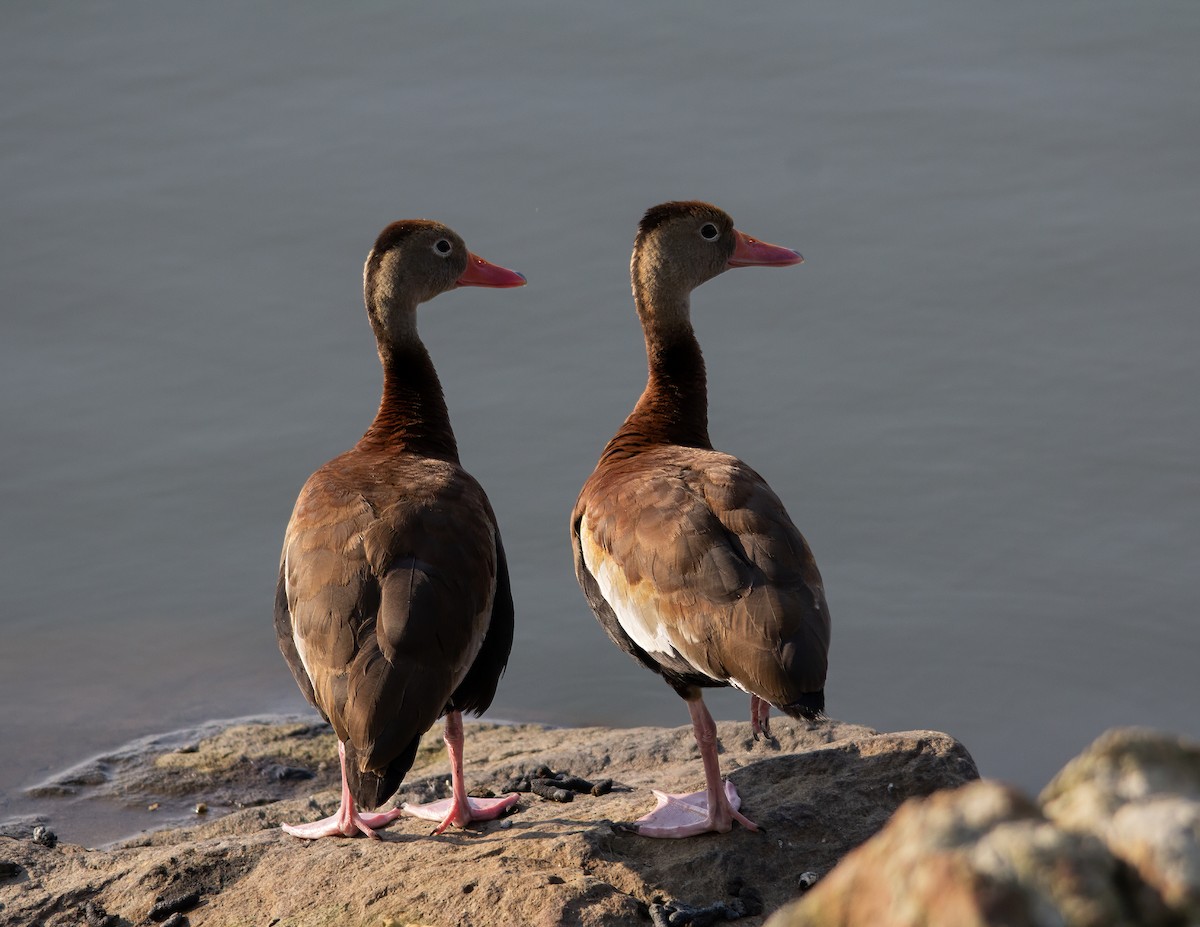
[[750, 252], [484, 273]]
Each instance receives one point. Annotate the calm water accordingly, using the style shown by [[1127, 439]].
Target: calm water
[[978, 397]]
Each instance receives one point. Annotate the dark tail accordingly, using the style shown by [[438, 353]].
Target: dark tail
[[810, 706], [372, 788]]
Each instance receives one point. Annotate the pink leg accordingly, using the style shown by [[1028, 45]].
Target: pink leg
[[346, 821], [760, 717], [459, 810], [714, 809]]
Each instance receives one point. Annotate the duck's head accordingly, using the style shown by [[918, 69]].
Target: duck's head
[[681, 245], [414, 260]]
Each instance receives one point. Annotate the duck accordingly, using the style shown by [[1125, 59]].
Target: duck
[[685, 554], [393, 606]]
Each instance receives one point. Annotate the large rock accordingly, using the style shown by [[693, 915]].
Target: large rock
[[820, 791], [980, 855], [1116, 842], [1139, 792]]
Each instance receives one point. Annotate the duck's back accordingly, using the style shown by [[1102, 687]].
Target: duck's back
[[392, 587], [693, 566]]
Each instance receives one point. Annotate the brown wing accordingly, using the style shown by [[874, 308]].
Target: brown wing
[[703, 571], [325, 593], [476, 691], [388, 599]]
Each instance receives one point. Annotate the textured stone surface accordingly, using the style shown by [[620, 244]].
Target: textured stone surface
[[979, 855], [820, 791], [1116, 841], [1139, 792]]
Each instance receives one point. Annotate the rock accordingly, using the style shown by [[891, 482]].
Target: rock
[[165, 908], [94, 915], [281, 773], [1139, 792], [822, 792], [979, 855], [1116, 841]]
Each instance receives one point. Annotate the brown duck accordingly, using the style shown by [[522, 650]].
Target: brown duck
[[393, 606], [685, 554]]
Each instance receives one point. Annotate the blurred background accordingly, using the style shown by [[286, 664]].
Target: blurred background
[[978, 397]]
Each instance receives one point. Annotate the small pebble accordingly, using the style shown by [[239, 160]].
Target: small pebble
[[95, 916], [658, 914], [164, 909], [574, 783], [548, 788], [555, 880], [281, 773], [153, 806], [176, 920], [543, 778], [751, 900], [678, 914], [202, 808], [807, 880], [45, 837], [8, 869]]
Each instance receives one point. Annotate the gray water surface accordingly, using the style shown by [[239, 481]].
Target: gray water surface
[[977, 397]]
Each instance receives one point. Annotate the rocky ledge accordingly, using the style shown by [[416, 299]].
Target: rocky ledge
[[817, 791], [1116, 831], [1113, 841]]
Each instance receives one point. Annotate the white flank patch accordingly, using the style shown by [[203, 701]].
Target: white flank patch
[[298, 641], [640, 621]]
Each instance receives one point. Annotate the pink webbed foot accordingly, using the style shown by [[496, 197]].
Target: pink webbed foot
[[347, 821], [341, 824], [448, 811], [688, 815]]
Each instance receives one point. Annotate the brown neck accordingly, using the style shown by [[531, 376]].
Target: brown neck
[[412, 414], [673, 408]]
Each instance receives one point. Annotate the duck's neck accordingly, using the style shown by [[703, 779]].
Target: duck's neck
[[412, 413], [673, 408]]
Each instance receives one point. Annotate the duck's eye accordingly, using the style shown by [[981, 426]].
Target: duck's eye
[[442, 247], [709, 232]]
